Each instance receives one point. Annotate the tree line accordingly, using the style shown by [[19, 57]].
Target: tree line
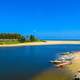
[[16, 36]]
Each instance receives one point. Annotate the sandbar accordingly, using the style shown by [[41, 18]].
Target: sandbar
[[40, 43]]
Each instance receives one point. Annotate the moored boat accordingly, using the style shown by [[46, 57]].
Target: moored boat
[[63, 60], [56, 62]]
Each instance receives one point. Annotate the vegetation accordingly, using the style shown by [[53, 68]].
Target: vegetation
[[14, 38], [32, 38], [9, 42], [10, 36]]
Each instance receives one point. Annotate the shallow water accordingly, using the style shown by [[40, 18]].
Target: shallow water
[[25, 63], [54, 74]]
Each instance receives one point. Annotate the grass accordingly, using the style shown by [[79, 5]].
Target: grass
[[9, 42], [35, 41], [16, 42]]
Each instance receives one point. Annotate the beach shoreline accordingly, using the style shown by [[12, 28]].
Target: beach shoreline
[[68, 71], [41, 43]]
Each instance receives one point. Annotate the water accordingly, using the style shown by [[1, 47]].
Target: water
[[22, 63]]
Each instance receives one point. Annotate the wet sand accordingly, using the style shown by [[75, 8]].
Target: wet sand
[[75, 66], [54, 74]]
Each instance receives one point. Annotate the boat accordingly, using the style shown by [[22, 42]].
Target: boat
[[63, 64], [56, 61], [66, 53], [64, 59]]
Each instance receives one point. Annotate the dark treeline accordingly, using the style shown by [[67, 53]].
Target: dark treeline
[[11, 36], [18, 37]]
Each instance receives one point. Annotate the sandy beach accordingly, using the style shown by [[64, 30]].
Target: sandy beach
[[68, 71], [41, 43], [75, 66]]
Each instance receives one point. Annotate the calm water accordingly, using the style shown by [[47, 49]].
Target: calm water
[[22, 63]]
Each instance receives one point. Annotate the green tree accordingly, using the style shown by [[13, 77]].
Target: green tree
[[22, 39], [32, 38], [12, 36]]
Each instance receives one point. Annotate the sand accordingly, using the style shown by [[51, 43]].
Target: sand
[[66, 73], [41, 43], [75, 66], [50, 74]]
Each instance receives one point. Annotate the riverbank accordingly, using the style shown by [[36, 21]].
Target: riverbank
[[75, 66], [66, 73], [40, 43]]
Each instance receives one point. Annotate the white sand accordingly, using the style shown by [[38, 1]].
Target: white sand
[[41, 43]]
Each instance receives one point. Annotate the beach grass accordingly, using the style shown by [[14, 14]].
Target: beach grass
[[8, 42]]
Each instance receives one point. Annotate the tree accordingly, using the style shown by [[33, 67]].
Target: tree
[[12, 36], [22, 39], [32, 38]]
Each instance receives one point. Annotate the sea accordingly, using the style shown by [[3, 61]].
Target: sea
[[26, 62]]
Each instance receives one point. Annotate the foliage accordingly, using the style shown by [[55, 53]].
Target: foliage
[[22, 39], [6, 38], [32, 38], [11, 37]]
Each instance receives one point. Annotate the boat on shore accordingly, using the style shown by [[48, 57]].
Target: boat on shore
[[64, 59], [56, 62]]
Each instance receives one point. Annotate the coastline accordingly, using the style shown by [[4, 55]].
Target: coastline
[[67, 73], [41, 43], [75, 66]]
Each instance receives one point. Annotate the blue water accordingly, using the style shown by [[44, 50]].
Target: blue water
[[22, 63]]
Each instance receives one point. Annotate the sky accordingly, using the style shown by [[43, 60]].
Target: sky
[[50, 19]]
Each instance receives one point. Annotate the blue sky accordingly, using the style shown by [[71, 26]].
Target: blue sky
[[44, 18]]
